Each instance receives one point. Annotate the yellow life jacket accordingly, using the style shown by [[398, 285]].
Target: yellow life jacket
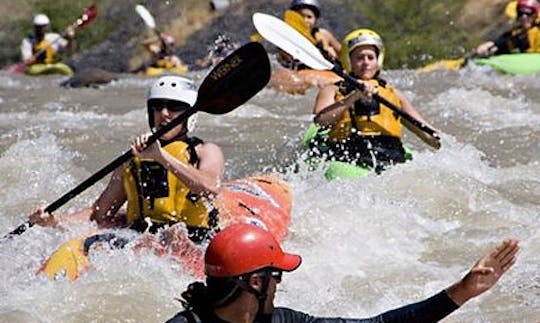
[[164, 63], [533, 36], [163, 196], [50, 53], [385, 122]]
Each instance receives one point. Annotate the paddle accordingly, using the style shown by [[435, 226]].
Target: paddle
[[289, 40], [510, 11], [150, 22], [86, 18], [236, 79], [295, 20]]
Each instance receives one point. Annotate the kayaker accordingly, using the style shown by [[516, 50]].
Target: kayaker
[[524, 37], [327, 43], [361, 130], [169, 182], [222, 46], [161, 50], [43, 47], [244, 264]]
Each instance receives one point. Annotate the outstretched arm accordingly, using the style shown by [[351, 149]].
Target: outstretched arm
[[485, 273]]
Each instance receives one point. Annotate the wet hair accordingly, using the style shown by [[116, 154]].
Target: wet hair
[[216, 293]]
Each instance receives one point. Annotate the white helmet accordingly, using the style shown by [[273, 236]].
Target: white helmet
[[174, 88], [41, 20]]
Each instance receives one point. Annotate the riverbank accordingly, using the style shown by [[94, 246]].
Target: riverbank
[[414, 31]]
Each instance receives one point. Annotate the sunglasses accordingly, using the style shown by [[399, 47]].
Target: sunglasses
[[174, 106], [525, 12], [277, 275]]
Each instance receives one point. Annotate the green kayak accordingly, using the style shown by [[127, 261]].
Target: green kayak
[[337, 169], [519, 63]]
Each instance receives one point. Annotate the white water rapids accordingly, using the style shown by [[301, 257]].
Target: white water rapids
[[368, 245]]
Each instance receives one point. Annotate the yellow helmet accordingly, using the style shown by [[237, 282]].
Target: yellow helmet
[[357, 38]]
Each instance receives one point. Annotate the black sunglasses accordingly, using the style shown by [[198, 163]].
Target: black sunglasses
[[525, 12], [276, 274], [174, 106]]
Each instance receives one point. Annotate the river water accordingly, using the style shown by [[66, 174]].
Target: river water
[[368, 245]]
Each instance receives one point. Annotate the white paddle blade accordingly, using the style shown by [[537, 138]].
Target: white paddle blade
[[291, 41], [146, 16]]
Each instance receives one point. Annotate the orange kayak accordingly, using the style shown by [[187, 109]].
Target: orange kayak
[[264, 200]]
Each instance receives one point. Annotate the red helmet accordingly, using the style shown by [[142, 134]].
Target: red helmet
[[530, 4], [244, 248]]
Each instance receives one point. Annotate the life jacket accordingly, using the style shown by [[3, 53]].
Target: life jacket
[[368, 118], [164, 198], [164, 63], [48, 55], [297, 65], [518, 40]]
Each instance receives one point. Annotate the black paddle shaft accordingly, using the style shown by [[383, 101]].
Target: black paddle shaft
[[106, 170], [352, 81], [231, 83]]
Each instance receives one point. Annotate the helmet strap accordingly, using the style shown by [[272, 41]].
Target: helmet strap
[[261, 295]]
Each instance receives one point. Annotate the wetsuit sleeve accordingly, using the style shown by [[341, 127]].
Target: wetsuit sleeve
[[430, 310], [503, 43], [26, 49], [178, 318]]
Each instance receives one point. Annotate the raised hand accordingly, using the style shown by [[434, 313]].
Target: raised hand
[[485, 272]]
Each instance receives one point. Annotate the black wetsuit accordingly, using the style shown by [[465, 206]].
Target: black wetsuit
[[429, 310]]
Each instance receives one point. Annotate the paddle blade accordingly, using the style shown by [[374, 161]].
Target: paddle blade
[[235, 80], [295, 20], [283, 36], [511, 10], [89, 15], [146, 16], [446, 64]]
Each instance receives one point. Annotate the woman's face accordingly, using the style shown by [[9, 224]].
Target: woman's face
[[309, 16], [364, 63], [165, 113], [526, 17]]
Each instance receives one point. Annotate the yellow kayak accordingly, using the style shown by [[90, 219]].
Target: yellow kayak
[[154, 71], [45, 69]]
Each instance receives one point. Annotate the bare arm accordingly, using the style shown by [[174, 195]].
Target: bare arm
[[485, 272], [407, 107], [204, 179], [103, 211], [328, 111], [331, 39]]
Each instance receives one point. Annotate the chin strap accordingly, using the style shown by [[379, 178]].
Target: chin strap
[[262, 294]]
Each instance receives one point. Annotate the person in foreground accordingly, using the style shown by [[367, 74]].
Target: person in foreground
[[310, 10], [43, 47], [524, 37], [359, 129], [169, 182], [244, 264]]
